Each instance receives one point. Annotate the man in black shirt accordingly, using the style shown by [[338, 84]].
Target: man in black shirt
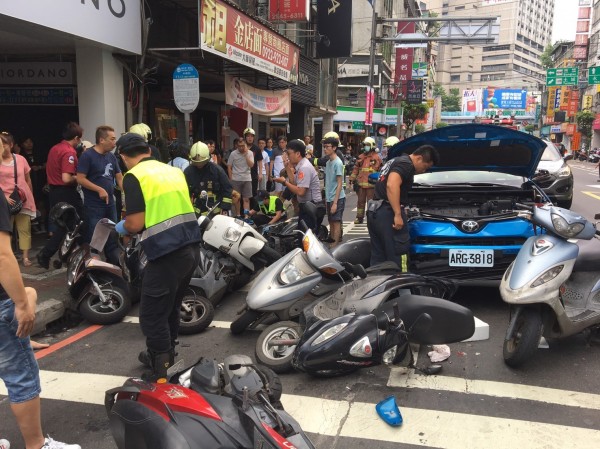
[[385, 215], [268, 209]]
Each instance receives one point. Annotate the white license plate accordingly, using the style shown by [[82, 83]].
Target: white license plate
[[471, 258]]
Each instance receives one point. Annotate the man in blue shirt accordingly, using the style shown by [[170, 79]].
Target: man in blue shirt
[[97, 173], [334, 190]]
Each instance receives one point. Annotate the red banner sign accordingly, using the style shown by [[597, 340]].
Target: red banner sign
[[404, 60], [369, 106], [229, 33], [573, 103], [289, 10]]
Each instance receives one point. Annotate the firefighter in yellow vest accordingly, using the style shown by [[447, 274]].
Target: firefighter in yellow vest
[[268, 209], [159, 207], [368, 162]]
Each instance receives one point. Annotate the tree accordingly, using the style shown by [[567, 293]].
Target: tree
[[419, 129], [414, 112], [546, 57], [438, 90], [452, 102], [584, 120], [441, 125]]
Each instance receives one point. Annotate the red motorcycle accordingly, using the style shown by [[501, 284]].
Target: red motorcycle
[[214, 406]]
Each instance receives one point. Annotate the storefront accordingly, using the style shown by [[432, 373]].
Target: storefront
[[52, 73]]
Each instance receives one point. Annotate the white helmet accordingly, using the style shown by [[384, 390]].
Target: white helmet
[[141, 129], [391, 141], [248, 131], [199, 152], [369, 141]]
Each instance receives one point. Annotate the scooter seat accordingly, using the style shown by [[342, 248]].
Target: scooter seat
[[355, 251], [589, 256]]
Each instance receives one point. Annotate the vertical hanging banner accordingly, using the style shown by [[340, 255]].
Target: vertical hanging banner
[[334, 25], [289, 10], [414, 92], [369, 106], [404, 61], [258, 101], [227, 32]]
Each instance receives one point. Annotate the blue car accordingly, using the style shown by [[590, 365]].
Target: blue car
[[462, 218]]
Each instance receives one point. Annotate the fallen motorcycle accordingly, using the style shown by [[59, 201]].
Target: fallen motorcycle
[[230, 405]]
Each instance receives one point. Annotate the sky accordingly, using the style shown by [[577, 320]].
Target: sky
[[565, 20]]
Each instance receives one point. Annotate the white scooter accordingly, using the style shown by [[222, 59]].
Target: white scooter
[[553, 286], [231, 252]]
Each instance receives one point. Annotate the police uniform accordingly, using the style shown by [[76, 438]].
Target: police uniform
[[170, 241], [388, 244], [212, 179]]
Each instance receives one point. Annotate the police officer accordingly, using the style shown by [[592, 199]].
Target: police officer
[[268, 210], [159, 207], [205, 175], [386, 216], [368, 162]]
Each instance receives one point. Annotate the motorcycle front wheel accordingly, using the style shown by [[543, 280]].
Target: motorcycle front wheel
[[243, 321], [195, 315], [112, 311], [278, 358], [522, 344]]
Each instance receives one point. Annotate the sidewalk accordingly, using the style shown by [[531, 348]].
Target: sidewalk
[[51, 286]]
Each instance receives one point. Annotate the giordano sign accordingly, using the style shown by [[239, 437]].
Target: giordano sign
[[111, 23]]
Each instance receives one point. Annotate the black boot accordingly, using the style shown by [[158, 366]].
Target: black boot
[[145, 357], [161, 361]]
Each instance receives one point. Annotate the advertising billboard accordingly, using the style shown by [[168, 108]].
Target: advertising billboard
[[504, 98], [335, 25], [229, 33], [289, 11], [404, 61], [471, 101]]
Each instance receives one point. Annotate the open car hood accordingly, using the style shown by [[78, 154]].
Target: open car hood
[[478, 147]]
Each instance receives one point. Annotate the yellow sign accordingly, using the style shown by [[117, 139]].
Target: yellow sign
[[588, 102], [430, 103], [551, 101]]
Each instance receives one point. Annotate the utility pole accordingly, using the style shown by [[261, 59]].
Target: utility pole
[[368, 128]]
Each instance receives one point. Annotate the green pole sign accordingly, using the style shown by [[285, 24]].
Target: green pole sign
[[594, 75], [568, 76]]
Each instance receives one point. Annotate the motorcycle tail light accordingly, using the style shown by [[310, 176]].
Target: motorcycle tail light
[[362, 348], [305, 243]]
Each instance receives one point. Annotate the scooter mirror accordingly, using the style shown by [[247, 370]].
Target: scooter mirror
[[422, 324]]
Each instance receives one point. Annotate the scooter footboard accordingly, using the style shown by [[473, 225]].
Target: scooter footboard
[[451, 322]]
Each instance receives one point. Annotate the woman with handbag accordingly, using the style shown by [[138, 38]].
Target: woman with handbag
[[15, 181]]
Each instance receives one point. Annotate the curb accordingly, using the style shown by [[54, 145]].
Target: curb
[[46, 312]]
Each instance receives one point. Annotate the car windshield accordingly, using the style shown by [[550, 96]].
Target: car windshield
[[468, 177], [551, 153]]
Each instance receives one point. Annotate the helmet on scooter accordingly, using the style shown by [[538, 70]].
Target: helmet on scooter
[[64, 215]]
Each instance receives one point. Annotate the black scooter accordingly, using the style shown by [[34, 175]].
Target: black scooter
[[231, 405], [353, 341]]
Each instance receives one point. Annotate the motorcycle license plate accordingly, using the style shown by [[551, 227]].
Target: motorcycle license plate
[[471, 258]]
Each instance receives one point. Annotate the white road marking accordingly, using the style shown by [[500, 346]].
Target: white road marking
[[399, 378], [346, 418]]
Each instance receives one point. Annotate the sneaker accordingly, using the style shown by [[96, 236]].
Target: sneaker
[[4, 444], [49, 443]]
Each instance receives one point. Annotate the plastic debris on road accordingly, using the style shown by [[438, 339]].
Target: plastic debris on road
[[388, 411]]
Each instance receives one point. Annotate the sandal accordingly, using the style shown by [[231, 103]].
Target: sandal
[[27, 262]]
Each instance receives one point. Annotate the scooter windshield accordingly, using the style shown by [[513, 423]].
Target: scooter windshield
[[319, 255]]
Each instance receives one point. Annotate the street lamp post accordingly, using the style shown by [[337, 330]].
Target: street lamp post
[[368, 128]]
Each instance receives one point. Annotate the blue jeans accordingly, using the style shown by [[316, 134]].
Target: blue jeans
[[93, 214], [18, 368]]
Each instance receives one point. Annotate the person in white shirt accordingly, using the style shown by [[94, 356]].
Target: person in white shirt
[[262, 144]]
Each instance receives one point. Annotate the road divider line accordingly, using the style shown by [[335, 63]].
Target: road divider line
[[67, 341], [345, 418], [592, 194], [399, 377]]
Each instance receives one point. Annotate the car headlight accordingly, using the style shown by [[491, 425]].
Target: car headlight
[[232, 235], [564, 172], [565, 229], [547, 276], [329, 334]]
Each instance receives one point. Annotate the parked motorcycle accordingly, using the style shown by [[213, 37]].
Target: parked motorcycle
[[282, 290], [553, 284], [282, 236], [231, 252], [210, 405], [357, 340]]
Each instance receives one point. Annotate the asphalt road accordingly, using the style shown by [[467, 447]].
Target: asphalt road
[[477, 401]]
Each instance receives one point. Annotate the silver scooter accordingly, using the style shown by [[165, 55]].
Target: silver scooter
[[553, 286]]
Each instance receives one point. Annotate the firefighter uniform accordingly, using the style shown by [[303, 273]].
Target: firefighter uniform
[[366, 164]]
